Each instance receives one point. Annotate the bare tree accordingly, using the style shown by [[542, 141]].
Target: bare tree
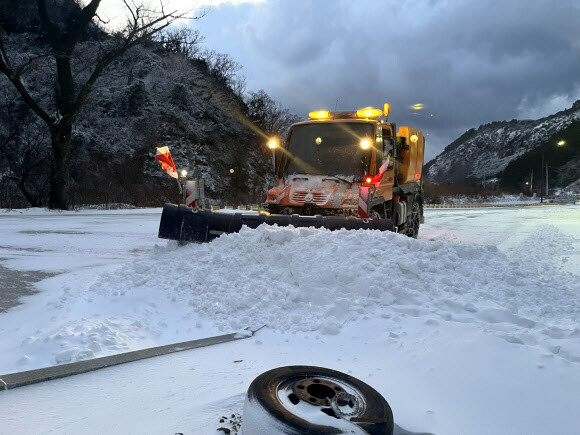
[[221, 66], [24, 150], [239, 86], [72, 90], [268, 114], [183, 40]]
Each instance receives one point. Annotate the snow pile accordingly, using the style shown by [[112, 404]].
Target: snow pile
[[81, 340], [309, 279], [547, 247], [294, 280]]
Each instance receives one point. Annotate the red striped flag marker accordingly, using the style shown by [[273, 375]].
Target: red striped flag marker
[[164, 157]]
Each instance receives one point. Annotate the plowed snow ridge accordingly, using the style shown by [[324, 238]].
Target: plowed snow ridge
[[315, 280]]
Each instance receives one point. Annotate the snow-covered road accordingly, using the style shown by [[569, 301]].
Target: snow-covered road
[[552, 232], [473, 328]]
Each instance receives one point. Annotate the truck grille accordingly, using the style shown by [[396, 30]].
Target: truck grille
[[317, 198]]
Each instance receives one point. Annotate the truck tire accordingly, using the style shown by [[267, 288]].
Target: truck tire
[[313, 400], [414, 220]]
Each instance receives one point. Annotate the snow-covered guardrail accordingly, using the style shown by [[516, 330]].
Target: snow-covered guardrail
[[515, 204]]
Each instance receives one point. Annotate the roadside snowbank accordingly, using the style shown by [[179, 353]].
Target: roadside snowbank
[[503, 199], [93, 210]]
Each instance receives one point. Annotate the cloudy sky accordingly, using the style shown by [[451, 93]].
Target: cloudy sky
[[468, 61]]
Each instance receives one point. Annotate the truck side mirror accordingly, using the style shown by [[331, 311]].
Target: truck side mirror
[[388, 142]]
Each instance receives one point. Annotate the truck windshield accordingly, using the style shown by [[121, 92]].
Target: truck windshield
[[329, 149]]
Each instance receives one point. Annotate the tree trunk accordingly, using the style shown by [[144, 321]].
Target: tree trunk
[[21, 184], [59, 170]]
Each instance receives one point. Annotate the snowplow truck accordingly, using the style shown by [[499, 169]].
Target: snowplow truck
[[351, 170]]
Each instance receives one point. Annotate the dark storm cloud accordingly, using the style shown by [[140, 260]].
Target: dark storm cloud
[[468, 61]]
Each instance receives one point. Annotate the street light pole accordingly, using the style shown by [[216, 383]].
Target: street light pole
[[273, 144], [560, 143], [183, 180]]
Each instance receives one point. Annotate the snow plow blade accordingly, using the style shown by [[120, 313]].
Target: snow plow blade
[[191, 225]]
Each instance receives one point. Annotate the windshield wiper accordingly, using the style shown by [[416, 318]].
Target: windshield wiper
[[334, 177]]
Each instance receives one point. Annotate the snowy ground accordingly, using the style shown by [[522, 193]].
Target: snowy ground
[[473, 328]]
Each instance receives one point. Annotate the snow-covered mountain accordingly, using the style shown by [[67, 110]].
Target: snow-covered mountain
[[487, 150]]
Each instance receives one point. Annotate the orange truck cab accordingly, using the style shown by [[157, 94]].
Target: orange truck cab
[[351, 164]]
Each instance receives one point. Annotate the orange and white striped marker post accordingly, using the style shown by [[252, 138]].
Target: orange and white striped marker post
[[363, 202]]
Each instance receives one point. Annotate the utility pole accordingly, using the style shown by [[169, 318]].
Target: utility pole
[[542, 183], [547, 191]]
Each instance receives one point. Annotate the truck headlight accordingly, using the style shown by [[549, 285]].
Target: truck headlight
[[365, 144]]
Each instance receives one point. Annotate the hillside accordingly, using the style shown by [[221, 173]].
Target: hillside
[[563, 161], [150, 97], [489, 149]]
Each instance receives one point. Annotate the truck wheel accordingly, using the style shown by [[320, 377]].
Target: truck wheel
[[314, 400], [414, 221]]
